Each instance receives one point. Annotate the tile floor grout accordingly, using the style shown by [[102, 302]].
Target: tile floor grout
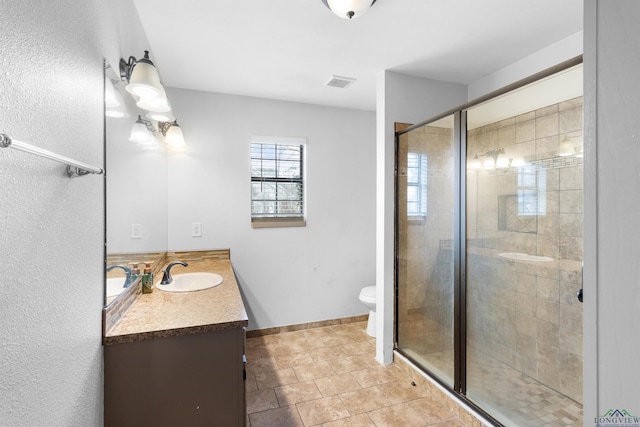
[[328, 377]]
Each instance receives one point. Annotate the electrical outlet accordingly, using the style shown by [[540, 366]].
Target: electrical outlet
[[136, 231], [196, 229]]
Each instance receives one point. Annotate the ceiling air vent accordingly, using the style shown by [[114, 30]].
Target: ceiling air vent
[[339, 81]]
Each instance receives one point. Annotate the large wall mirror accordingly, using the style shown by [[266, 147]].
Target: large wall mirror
[[136, 190]]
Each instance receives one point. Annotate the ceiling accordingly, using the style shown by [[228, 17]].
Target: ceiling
[[289, 49]]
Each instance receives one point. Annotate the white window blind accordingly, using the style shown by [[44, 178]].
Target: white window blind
[[277, 182], [416, 184], [532, 187]]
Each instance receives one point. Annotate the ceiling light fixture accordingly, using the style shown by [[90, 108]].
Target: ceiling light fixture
[[348, 9], [141, 77]]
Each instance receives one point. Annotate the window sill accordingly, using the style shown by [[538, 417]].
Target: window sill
[[416, 219], [277, 222]]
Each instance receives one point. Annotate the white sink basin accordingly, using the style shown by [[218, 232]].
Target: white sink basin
[[115, 286], [188, 282], [524, 257]]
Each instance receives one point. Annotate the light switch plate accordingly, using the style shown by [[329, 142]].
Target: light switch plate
[[196, 229], [136, 231]]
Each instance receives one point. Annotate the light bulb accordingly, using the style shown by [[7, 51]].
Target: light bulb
[[474, 163], [517, 161], [161, 117], [348, 9], [110, 99], [157, 104], [113, 104], [116, 114], [140, 133], [174, 135], [566, 148], [502, 162], [580, 149]]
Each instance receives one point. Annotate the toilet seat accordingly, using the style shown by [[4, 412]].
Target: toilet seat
[[368, 294]]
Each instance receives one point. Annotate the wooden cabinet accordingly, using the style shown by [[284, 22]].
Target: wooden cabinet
[[187, 380]]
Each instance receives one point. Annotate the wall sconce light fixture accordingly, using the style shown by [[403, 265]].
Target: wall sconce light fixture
[[113, 103], [161, 117], [495, 159], [474, 163], [110, 99], [516, 162], [158, 104], [172, 133], [141, 131], [141, 77], [143, 82], [348, 9], [566, 147]]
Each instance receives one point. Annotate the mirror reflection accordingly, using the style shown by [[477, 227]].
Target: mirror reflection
[[136, 196]]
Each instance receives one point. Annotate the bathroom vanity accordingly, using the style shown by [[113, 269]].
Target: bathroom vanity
[[178, 358]]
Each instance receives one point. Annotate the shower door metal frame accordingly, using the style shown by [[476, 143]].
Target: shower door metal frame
[[459, 113], [459, 250], [460, 243]]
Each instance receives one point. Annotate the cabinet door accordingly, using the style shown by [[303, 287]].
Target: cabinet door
[[192, 380]]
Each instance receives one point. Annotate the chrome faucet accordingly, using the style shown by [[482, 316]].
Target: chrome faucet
[[127, 272], [166, 277]]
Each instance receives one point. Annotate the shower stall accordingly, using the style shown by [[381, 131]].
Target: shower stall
[[489, 251]]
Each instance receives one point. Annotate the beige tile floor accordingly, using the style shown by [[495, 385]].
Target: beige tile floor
[[328, 377]]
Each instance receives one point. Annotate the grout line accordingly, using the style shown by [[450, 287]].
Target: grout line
[[365, 366]]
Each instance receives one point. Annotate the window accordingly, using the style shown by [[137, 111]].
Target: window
[[532, 187], [416, 184], [277, 182]]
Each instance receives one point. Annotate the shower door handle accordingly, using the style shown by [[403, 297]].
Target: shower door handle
[[579, 293]]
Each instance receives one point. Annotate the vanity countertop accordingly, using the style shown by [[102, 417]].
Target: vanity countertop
[[165, 314]]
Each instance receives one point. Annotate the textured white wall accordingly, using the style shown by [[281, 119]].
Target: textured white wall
[[612, 154], [51, 290], [404, 99], [287, 275], [52, 227]]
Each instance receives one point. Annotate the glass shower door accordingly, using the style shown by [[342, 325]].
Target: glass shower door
[[425, 249], [524, 254], [489, 253]]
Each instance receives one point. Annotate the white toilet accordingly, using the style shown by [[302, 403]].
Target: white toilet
[[368, 298]]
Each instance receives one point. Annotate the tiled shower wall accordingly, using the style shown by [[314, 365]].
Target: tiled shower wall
[[526, 314]]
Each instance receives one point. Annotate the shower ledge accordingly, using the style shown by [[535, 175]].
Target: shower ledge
[[517, 256]]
